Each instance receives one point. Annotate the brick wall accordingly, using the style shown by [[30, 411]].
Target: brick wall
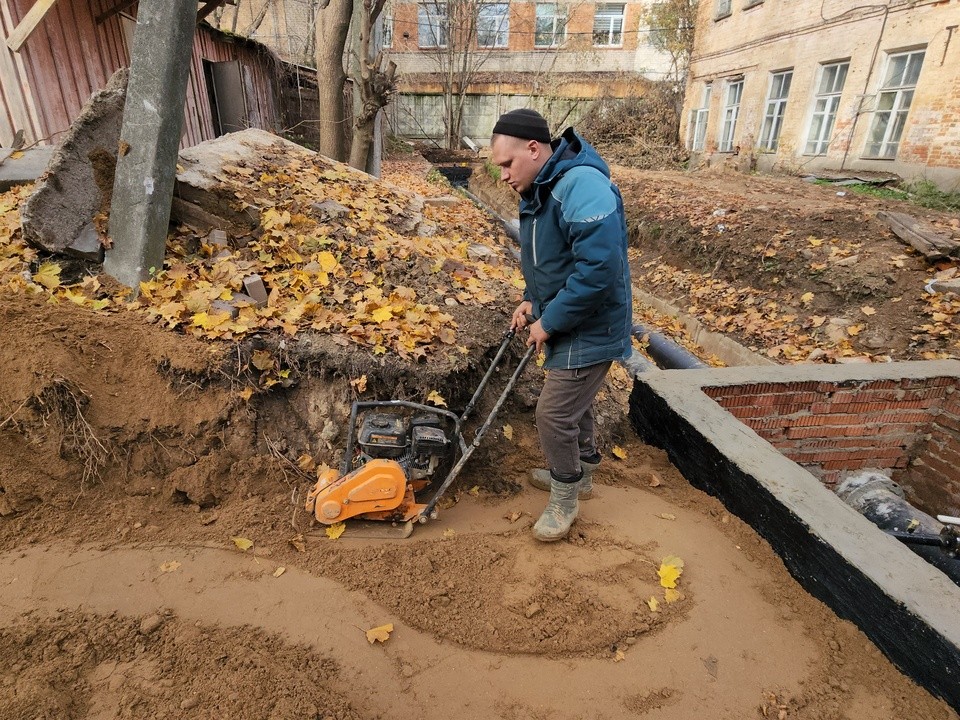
[[910, 426]]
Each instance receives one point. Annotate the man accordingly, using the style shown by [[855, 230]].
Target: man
[[577, 302]]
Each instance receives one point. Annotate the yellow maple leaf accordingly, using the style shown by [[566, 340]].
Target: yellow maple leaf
[[855, 330], [382, 314], [169, 566], [508, 432], [336, 530], [436, 398], [359, 384], [77, 298], [671, 595], [379, 634], [807, 298], [475, 490], [48, 275], [328, 263], [242, 543], [670, 570], [867, 310], [653, 604], [618, 452], [246, 393], [815, 242]]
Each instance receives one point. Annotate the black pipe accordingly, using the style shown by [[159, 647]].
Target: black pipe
[[665, 352], [510, 227], [881, 501]]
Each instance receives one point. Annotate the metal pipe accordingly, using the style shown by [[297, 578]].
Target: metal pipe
[[881, 501], [665, 352]]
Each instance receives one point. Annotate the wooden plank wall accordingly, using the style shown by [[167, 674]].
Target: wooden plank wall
[[69, 57]]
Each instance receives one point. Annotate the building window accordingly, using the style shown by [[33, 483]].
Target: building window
[[608, 25], [493, 25], [776, 106], [386, 25], [723, 9], [697, 129], [432, 25], [731, 109], [826, 102], [551, 28], [893, 104]]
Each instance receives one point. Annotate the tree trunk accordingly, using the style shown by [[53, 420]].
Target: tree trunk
[[333, 26]]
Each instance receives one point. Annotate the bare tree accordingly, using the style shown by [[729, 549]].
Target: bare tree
[[375, 85], [333, 28], [672, 25]]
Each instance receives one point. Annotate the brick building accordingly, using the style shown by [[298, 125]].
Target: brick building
[[552, 55], [807, 85]]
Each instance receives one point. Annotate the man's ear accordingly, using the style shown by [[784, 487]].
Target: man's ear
[[534, 147]]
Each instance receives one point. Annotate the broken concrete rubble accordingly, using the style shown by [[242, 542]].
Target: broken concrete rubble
[[59, 216]]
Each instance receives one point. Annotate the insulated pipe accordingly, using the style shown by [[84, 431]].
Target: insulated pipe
[[510, 227], [665, 352], [881, 501]]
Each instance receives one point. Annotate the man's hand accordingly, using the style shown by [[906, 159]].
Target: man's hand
[[519, 319], [537, 336]]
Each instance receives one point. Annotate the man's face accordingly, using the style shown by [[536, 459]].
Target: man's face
[[519, 160]]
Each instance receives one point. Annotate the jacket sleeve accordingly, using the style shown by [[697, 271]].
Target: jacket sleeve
[[595, 229]]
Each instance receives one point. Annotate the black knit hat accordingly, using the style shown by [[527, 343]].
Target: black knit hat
[[525, 124]]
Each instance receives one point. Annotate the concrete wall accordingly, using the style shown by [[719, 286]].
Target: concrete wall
[[775, 35]]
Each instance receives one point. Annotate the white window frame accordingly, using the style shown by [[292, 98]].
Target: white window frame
[[556, 15], [894, 98], [697, 127], [432, 24], [830, 81], [493, 28], [608, 24], [386, 25], [776, 108], [731, 111]]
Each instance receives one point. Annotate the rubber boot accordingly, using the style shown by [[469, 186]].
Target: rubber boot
[[561, 511], [540, 479]]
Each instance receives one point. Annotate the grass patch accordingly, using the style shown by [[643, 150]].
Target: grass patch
[[492, 170], [921, 192]]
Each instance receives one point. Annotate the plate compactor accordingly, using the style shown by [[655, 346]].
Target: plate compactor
[[394, 458]]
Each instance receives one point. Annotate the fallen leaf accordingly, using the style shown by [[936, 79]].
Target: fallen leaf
[[359, 384], [242, 543], [449, 532], [336, 530], [281, 570], [807, 298], [48, 275], [619, 452], [379, 634], [855, 330], [913, 525], [169, 566], [671, 595], [667, 516], [653, 480], [508, 432], [246, 393], [867, 310], [670, 570], [298, 542], [306, 463], [436, 398], [475, 490], [262, 360], [619, 655], [653, 604], [514, 516]]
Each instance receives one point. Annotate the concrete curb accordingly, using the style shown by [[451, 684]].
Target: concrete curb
[[908, 608]]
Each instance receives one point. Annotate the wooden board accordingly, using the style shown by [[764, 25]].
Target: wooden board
[[920, 235], [30, 21]]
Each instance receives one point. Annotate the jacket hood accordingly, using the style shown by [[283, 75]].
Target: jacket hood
[[569, 150]]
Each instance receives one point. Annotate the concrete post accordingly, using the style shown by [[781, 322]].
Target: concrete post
[[150, 138]]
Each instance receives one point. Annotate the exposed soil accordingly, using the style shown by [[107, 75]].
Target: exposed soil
[[130, 460]]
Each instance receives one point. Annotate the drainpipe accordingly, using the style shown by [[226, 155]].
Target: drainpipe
[[881, 501], [665, 352]]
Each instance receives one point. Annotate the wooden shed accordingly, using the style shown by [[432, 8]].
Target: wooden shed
[[59, 52]]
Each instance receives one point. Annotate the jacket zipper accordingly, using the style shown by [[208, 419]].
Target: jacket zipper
[[534, 242]]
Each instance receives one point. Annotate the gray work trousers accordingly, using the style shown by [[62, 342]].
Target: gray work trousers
[[565, 419]]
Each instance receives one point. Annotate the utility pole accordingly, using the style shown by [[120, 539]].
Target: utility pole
[[150, 139]]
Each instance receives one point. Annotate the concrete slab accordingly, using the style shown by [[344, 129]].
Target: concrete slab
[[908, 608], [24, 166]]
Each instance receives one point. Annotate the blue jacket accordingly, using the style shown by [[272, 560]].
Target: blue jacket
[[573, 253]]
